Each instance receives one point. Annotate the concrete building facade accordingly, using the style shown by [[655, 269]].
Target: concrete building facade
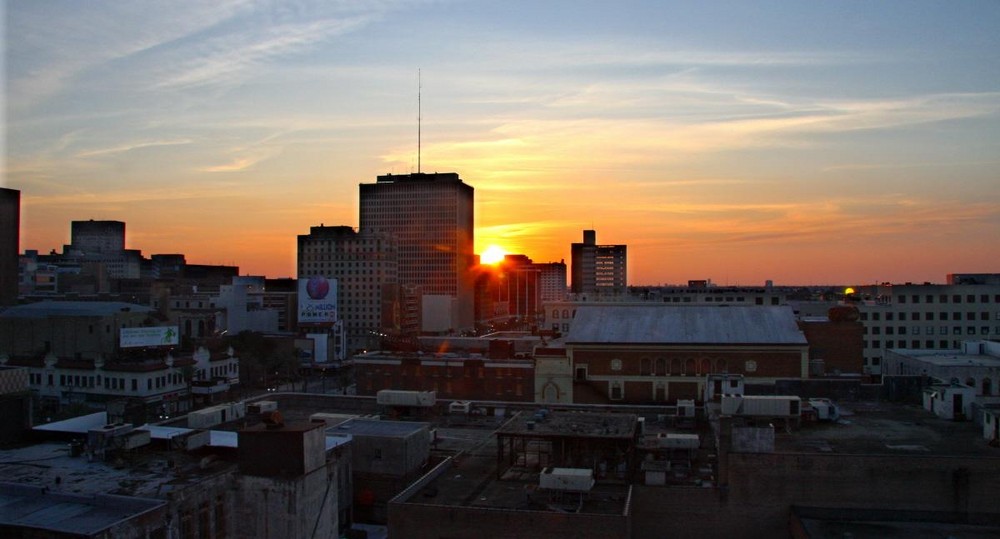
[[365, 265], [925, 317]]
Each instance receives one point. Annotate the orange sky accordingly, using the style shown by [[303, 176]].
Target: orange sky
[[816, 146]]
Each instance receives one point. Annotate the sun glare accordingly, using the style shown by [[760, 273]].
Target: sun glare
[[492, 255]]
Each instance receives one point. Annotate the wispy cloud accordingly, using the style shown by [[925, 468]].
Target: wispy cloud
[[224, 58], [133, 146]]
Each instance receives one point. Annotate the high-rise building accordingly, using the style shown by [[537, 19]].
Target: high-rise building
[[10, 230], [103, 242], [598, 268], [365, 267], [553, 280], [431, 218], [98, 236]]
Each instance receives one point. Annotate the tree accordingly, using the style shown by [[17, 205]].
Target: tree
[[261, 359]]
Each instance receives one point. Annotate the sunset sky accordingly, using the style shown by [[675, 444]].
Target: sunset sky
[[802, 142]]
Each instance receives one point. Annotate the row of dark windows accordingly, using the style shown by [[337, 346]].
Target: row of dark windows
[[927, 315], [944, 298]]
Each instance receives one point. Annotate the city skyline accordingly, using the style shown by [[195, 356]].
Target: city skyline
[[842, 143]]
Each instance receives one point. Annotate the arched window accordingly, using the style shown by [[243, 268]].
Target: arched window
[[706, 366], [675, 366], [971, 382], [721, 366], [987, 387], [555, 314], [644, 366], [565, 313], [550, 393], [661, 366], [690, 367]]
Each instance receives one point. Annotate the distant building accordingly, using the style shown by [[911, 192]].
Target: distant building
[[834, 342], [103, 243], [553, 280], [161, 385], [598, 268], [927, 316], [365, 265], [69, 329], [97, 236], [659, 354], [509, 291], [558, 315], [10, 229], [431, 218], [242, 308], [452, 375], [976, 365]]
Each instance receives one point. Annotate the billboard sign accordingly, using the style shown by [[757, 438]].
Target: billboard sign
[[155, 336], [317, 300]]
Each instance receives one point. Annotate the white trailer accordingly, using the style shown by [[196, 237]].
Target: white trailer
[[214, 415], [566, 479], [262, 407]]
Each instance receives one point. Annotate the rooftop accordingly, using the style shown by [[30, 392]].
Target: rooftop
[[44, 309], [38, 507], [572, 424], [949, 358], [697, 324], [886, 428], [387, 429]]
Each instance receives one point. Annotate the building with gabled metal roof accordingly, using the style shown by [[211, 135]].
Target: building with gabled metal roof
[[654, 354]]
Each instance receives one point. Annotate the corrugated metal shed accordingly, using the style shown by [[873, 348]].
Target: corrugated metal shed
[[661, 324]]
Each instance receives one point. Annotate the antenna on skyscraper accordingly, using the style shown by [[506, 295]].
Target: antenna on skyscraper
[[418, 120]]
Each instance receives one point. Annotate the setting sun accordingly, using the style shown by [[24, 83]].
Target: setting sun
[[492, 255]]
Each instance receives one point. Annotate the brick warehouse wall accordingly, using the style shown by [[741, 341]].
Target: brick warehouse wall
[[763, 487]]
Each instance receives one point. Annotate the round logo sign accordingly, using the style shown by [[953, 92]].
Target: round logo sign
[[317, 287]]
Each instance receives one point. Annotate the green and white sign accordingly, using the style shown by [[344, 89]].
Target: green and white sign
[[156, 336]]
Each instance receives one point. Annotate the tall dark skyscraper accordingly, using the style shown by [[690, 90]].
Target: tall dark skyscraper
[[431, 217], [10, 230]]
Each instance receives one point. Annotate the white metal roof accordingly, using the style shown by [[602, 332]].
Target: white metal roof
[[77, 425], [668, 324]]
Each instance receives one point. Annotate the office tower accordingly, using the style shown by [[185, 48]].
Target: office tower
[[98, 236], [509, 291], [10, 229], [553, 280], [102, 243], [365, 267], [431, 217], [598, 268]]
